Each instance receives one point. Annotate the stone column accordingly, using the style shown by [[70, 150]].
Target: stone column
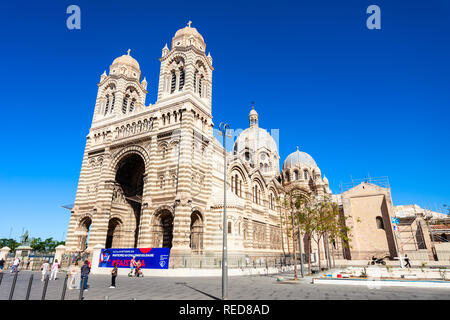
[[96, 258], [181, 224], [4, 252], [60, 250]]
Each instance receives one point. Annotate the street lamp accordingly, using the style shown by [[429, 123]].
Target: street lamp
[[223, 128]]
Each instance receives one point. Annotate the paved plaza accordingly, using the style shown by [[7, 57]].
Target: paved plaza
[[207, 288]]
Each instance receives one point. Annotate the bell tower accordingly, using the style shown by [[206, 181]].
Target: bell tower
[[186, 69], [121, 92]]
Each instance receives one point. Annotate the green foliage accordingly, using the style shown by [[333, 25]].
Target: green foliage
[[10, 243], [44, 246]]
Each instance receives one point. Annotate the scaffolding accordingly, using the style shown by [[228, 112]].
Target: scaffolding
[[410, 234], [382, 182]]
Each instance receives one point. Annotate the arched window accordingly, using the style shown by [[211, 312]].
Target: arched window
[[229, 226], [107, 104], [125, 104], [195, 81], [287, 177], [173, 83], [232, 184], [240, 188], [132, 104], [236, 184], [200, 86], [296, 175], [380, 224], [113, 101], [305, 175], [181, 79]]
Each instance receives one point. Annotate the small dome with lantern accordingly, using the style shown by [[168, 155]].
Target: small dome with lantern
[[189, 36], [125, 65]]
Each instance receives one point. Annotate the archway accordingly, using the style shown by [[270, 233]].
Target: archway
[[129, 175], [163, 229], [83, 232], [196, 236], [113, 235]]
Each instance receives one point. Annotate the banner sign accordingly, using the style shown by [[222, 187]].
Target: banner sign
[[395, 220], [150, 258]]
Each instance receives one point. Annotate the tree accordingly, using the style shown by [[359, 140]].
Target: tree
[[10, 243], [45, 246]]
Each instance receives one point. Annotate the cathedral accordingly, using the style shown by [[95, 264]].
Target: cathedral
[[152, 176]]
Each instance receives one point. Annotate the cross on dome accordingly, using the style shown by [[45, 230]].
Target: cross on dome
[[128, 51], [189, 23]]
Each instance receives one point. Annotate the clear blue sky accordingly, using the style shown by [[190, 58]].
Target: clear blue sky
[[359, 101]]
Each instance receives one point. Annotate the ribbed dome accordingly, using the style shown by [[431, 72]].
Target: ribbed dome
[[128, 60], [299, 158], [255, 138], [189, 31], [189, 36]]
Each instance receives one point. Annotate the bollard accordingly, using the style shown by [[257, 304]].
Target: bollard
[[63, 294], [44, 290], [30, 282], [13, 286], [1, 277], [106, 297], [83, 281]]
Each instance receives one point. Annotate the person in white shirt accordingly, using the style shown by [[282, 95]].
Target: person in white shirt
[[44, 269], [15, 265], [55, 267]]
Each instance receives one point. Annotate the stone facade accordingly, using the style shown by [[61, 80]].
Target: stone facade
[[152, 176]]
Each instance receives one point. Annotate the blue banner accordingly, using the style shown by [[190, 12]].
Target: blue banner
[[150, 258]]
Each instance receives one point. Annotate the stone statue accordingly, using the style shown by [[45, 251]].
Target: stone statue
[[24, 239]]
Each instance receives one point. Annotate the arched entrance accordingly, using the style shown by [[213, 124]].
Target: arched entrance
[[163, 229], [196, 236], [82, 232], [129, 175], [113, 235]]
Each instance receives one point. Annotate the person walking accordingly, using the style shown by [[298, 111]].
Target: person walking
[[407, 261], [28, 263], [2, 264], [55, 267], [73, 270], [132, 266], [84, 275], [45, 266], [138, 268], [15, 265], [113, 276]]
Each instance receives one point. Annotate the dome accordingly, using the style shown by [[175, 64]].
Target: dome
[[189, 31], [255, 138], [299, 158], [183, 37], [127, 60]]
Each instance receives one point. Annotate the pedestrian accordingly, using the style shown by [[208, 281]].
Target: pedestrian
[[2, 264], [407, 261], [138, 268], [113, 276], [132, 266], [73, 271], [15, 265], [28, 263], [84, 275], [55, 267], [45, 266]]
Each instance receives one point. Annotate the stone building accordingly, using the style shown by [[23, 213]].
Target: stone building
[[152, 176]]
